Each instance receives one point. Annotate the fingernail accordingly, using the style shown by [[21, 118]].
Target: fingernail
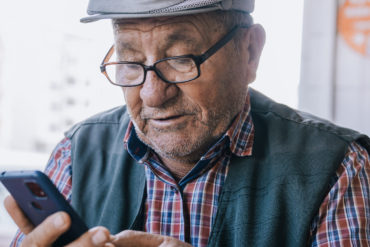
[[99, 238], [59, 221]]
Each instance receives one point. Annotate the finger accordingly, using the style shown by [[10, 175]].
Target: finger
[[130, 238], [109, 245], [136, 238], [17, 215], [48, 231], [97, 237]]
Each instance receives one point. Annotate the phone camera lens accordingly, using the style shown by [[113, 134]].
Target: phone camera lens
[[36, 205], [35, 189]]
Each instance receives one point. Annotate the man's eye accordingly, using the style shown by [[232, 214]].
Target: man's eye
[[132, 66], [181, 62]]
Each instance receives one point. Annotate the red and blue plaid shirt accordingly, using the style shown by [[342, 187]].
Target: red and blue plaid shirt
[[186, 209]]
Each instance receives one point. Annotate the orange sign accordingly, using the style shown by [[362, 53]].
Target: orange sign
[[354, 24]]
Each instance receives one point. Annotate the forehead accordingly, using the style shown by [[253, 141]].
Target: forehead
[[193, 25]]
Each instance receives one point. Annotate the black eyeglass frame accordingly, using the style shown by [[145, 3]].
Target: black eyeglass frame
[[198, 60]]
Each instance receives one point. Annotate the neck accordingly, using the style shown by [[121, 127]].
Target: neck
[[180, 166], [178, 169]]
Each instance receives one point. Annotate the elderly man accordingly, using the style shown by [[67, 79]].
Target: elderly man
[[196, 157]]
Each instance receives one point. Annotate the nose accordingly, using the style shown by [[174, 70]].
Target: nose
[[155, 92]]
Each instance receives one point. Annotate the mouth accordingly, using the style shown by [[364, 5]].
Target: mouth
[[167, 118], [168, 122]]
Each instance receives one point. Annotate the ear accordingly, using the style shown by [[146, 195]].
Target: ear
[[254, 39]]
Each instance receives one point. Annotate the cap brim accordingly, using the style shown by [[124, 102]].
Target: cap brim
[[101, 16]]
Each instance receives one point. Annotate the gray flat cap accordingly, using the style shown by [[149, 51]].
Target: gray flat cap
[[117, 9]]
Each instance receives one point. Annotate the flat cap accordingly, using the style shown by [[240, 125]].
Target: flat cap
[[118, 9]]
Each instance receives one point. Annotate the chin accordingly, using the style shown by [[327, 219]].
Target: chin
[[187, 143], [182, 147], [173, 145]]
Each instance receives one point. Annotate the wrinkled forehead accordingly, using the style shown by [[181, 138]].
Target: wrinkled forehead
[[201, 24]]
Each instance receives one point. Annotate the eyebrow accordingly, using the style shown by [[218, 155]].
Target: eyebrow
[[125, 46], [175, 37]]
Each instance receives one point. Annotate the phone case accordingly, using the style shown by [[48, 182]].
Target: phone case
[[40, 202]]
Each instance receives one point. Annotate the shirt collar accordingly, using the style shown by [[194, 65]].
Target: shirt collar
[[239, 137], [136, 148], [241, 132]]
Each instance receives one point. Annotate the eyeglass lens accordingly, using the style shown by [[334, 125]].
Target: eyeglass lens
[[176, 69]]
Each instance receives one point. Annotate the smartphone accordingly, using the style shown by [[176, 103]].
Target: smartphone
[[38, 198]]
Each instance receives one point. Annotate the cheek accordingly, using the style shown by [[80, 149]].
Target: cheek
[[219, 92], [199, 93], [212, 87], [207, 101], [133, 101]]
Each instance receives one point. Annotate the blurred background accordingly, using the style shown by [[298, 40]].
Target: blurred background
[[316, 59]]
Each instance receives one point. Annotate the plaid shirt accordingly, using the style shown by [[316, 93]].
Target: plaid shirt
[[186, 209]]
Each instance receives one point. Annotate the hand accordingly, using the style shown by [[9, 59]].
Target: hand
[[52, 227], [135, 239]]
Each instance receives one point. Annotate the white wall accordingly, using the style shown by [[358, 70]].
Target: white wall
[[279, 71], [352, 98], [335, 78], [44, 47], [318, 51]]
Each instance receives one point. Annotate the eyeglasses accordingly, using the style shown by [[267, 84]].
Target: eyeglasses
[[178, 69]]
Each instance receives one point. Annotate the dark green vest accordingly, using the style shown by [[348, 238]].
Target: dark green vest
[[269, 198]]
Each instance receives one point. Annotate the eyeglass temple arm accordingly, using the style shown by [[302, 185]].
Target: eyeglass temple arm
[[106, 58], [219, 44]]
